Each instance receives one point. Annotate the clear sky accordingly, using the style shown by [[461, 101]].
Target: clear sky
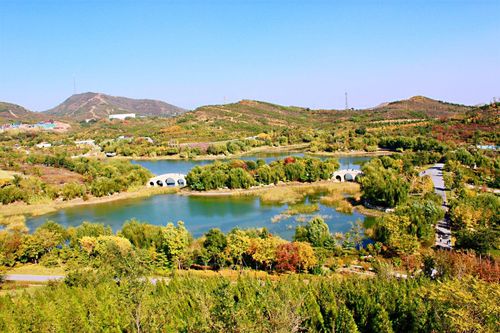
[[306, 53]]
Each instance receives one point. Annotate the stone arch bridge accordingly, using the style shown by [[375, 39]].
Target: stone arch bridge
[[168, 179], [346, 175]]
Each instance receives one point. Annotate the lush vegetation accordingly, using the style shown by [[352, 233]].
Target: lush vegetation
[[347, 282], [190, 304], [105, 285], [72, 177], [244, 174]]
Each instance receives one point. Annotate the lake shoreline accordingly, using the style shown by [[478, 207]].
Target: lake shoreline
[[43, 208], [298, 148], [250, 191], [34, 210]]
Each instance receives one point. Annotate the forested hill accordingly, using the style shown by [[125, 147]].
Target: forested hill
[[16, 113], [250, 115], [96, 106], [420, 106]]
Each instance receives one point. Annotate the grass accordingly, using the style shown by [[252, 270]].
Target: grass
[[293, 193], [302, 209], [281, 195], [337, 196]]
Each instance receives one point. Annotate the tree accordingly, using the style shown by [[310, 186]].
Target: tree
[[215, 242], [142, 235], [287, 257], [392, 230], [263, 250], [382, 186], [88, 229], [237, 244], [265, 175], [39, 243], [239, 178], [295, 256], [73, 190], [295, 171], [481, 240], [175, 241], [316, 232]]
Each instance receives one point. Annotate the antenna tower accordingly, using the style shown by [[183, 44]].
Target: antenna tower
[[346, 104]]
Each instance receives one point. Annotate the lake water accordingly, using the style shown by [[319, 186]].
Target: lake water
[[201, 213], [183, 166]]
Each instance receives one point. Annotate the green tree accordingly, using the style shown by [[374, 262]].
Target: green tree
[[237, 244], [176, 239], [215, 243], [382, 186], [239, 178], [316, 232]]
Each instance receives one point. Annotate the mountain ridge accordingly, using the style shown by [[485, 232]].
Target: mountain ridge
[[91, 105], [15, 112]]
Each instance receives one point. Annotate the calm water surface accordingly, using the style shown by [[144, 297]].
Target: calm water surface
[[183, 166], [198, 213], [201, 213]]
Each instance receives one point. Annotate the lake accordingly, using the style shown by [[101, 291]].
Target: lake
[[202, 213], [159, 167]]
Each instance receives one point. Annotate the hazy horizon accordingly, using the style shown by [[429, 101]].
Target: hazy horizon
[[194, 53]]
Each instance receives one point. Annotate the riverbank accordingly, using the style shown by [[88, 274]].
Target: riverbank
[[263, 149], [260, 189], [380, 152], [38, 209], [297, 148]]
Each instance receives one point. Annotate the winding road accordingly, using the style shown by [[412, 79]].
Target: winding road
[[443, 230]]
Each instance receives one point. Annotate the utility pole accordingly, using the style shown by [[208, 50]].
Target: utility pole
[[346, 104]]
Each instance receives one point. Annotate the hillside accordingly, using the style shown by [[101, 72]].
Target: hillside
[[14, 112], [96, 106], [248, 116], [420, 106]]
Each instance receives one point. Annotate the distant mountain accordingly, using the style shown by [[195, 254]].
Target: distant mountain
[[96, 106], [420, 105], [14, 112], [250, 113]]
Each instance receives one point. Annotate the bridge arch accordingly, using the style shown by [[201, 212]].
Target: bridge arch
[[168, 179], [346, 175]]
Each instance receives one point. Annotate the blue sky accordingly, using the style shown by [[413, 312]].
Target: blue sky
[[306, 53]]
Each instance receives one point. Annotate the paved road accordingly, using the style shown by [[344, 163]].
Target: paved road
[[32, 278], [443, 231]]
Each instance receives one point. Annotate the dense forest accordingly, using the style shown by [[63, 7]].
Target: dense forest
[[244, 174], [93, 302]]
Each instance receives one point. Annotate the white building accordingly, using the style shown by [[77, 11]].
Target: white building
[[122, 116]]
